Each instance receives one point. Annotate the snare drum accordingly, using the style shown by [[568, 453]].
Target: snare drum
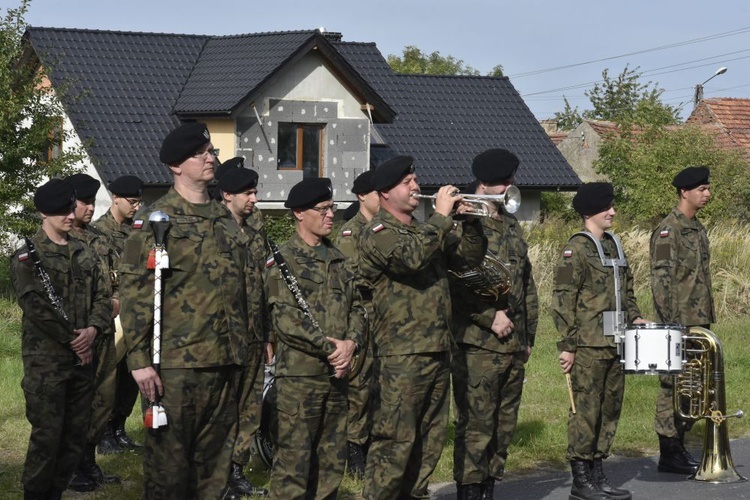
[[653, 348]]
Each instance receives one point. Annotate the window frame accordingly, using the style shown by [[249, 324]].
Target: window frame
[[300, 144]]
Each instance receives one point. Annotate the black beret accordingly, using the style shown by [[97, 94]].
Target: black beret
[[182, 142], [309, 192], [55, 196], [593, 197], [351, 211], [692, 177], [127, 186], [494, 166], [238, 180], [230, 164], [85, 186], [363, 183], [390, 172]]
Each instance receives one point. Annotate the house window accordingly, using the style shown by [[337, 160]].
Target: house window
[[53, 145], [301, 148]]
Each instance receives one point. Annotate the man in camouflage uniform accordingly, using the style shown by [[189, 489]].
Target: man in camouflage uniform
[[359, 386], [584, 293], [205, 325], [57, 343], [89, 475], [681, 286], [238, 188], [494, 339], [312, 362], [406, 263], [116, 224]]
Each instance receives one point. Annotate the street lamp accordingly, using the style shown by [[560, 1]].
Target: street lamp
[[699, 87]]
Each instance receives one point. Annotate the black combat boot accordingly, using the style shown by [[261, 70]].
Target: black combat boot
[[686, 454], [91, 469], [121, 437], [108, 444], [487, 489], [355, 462], [34, 495], [601, 480], [54, 494], [79, 482], [468, 491], [239, 485], [673, 457], [584, 488]]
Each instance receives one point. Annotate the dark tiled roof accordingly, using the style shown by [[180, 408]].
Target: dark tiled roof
[[123, 87], [444, 121]]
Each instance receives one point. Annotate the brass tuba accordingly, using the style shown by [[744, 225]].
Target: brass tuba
[[490, 280], [699, 394]]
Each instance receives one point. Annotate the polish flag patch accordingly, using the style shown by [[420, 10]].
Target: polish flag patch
[[378, 228], [137, 224], [568, 253], [348, 232], [23, 256], [271, 261], [664, 233]]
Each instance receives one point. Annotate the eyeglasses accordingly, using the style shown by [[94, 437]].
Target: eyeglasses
[[204, 154], [324, 210], [134, 202]]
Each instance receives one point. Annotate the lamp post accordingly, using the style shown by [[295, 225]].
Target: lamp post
[[699, 87]]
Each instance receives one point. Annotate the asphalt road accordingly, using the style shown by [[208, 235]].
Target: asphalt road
[[639, 475]]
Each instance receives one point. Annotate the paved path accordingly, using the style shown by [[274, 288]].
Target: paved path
[[639, 475]]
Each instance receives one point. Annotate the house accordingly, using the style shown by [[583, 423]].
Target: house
[[294, 104], [728, 118], [580, 147]]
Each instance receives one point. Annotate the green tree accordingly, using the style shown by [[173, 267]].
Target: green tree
[[416, 62], [30, 128], [625, 100]]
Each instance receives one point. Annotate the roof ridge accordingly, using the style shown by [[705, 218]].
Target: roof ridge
[[114, 32], [422, 75], [271, 33]]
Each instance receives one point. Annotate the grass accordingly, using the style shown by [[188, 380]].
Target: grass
[[540, 439]]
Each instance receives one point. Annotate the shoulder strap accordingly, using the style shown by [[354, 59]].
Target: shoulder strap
[[619, 261]]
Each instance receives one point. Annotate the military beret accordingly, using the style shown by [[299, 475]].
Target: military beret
[[85, 186], [230, 164], [55, 196], [390, 172], [127, 185], [238, 180], [593, 197], [494, 166], [363, 183], [692, 177], [182, 142], [351, 211], [309, 192]]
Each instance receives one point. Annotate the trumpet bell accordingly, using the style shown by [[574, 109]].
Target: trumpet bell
[[512, 199]]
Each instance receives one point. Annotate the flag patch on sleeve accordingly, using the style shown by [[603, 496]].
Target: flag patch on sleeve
[[378, 228], [270, 262], [23, 256], [347, 232], [137, 224], [568, 253], [664, 233]]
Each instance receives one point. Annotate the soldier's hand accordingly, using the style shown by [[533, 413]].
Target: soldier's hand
[[86, 356], [445, 200], [526, 354], [502, 326], [115, 307], [641, 321], [566, 361], [341, 372], [84, 339], [342, 355], [148, 382], [268, 349]]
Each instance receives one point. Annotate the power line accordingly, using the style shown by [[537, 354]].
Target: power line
[[738, 31]]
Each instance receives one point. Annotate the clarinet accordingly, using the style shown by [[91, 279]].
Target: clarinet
[[45, 279]]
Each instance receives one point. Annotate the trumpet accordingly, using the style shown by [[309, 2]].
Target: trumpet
[[510, 200]]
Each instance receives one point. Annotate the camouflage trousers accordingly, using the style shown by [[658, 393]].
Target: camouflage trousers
[[105, 377], [410, 424], [249, 398], [310, 449], [598, 390], [666, 421], [58, 407], [191, 457], [487, 390], [360, 418]]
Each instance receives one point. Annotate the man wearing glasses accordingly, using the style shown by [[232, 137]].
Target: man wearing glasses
[[313, 352], [117, 223], [206, 322]]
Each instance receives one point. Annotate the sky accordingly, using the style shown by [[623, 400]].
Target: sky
[[548, 49]]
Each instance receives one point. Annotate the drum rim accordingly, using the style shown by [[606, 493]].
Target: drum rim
[[657, 326]]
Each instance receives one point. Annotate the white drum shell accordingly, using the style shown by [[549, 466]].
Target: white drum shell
[[653, 348]]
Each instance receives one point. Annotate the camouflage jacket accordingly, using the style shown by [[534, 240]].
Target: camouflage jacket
[[348, 238], [680, 274], [76, 278], [105, 250], [204, 294], [583, 290], [116, 232], [328, 289], [407, 268], [473, 317]]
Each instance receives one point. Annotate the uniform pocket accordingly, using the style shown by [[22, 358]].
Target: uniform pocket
[[184, 249]]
